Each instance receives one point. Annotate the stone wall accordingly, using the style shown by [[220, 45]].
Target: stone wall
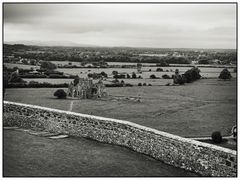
[[204, 159]]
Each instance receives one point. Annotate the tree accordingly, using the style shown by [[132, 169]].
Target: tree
[[153, 76], [192, 75], [47, 65], [24, 61], [159, 69], [104, 74], [60, 94], [225, 74], [33, 62], [76, 80], [15, 78], [134, 76], [216, 137], [128, 76], [114, 73]]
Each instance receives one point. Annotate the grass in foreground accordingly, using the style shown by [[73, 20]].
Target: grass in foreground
[[29, 155]]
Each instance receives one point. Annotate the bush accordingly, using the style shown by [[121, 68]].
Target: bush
[[144, 84], [159, 69], [225, 74], [114, 85], [34, 84], [114, 73], [129, 85], [104, 74], [60, 93], [33, 76], [57, 76], [48, 65], [139, 84], [216, 137], [149, 84], [192, 75], [128, 76], [153, 76], [134, 76], [16, 79], [165, 76]]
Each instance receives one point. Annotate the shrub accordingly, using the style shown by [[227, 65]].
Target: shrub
[[76, 80], [35, 84], [114, 85], [128, 76], [114, 73], [56, 76], [104, 74], [216, 137], [33, 76], [134, 76], [159, 69], [165, 76], [150, 69], [115, 81], [192, 75], [149, 84], [60, 93], [16, 79], [225, 74], [153, 76], [139, 84], [144, 84], [48, 65]]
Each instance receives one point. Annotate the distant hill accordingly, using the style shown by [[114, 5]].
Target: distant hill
[[49, 43]]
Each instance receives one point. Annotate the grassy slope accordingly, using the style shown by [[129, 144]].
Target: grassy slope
[[196, 109], [28, 155]]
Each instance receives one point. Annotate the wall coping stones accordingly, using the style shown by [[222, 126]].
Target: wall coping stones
[[165, 134]]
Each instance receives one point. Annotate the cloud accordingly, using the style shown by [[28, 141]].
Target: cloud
[[124, 24]]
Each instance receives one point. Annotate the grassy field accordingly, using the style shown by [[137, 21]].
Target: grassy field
[[192, 110]]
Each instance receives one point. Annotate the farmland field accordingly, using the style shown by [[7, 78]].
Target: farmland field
[[207, 72], [195, 109]]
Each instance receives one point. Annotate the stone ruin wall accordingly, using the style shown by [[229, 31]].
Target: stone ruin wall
[[202, 158]]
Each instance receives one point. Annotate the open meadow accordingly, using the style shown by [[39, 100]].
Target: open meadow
[[192, 110]]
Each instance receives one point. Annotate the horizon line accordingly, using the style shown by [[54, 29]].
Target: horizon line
[[99, 46]]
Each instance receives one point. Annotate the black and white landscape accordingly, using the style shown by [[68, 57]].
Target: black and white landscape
[[167, 71]]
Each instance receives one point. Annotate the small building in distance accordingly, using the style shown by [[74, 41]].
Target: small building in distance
[[84, 88]]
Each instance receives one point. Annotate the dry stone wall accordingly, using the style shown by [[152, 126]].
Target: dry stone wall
[[202, 158]]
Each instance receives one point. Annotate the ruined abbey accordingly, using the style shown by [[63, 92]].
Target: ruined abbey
[[82, 88]]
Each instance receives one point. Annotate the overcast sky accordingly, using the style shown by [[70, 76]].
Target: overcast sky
[[136, 25]]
